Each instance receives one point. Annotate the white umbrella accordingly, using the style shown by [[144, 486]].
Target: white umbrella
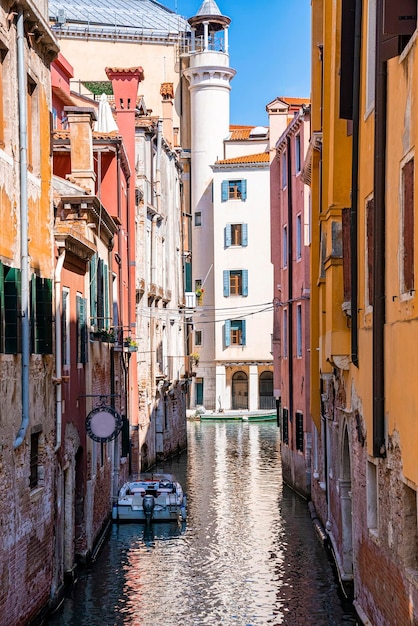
[[105, 122]]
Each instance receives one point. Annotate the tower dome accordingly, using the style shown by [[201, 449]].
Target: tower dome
[[209, 28]]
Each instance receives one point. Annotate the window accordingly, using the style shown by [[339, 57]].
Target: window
[[285, 247], [99, 293], [198, 218], [33, 144], [285, 333], [41, 315], [235, 283], [10, 304], [299, 431], [299, 236], [65, 327], [81, 329], [299, 331], [408, 226], [34, 460], [235, 333], [285, 426], [284, 170], [234, 190], [198, 338], [297, 154], [236, 235]]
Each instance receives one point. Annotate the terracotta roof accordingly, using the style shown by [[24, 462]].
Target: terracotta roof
[[262, 157], [299, 101]]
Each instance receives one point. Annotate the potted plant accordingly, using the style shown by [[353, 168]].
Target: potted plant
[[194, 358], [130, 344], [199, 294]]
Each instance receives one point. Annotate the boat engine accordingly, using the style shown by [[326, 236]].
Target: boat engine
[[148, 504]]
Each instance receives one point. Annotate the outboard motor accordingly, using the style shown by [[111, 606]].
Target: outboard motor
[[148, 504]]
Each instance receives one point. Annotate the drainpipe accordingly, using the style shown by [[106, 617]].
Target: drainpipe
[[354, 184], [24, 250], [290, 274], [379, 446], [58, 348]]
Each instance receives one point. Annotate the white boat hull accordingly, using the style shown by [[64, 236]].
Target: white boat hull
[[151, 498]]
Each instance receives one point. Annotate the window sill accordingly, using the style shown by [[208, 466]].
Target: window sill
[[36, 493]]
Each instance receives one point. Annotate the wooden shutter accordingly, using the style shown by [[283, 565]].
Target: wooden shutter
[[244, 235], [227, 234], [12, 291], [299, 431], [245, 282], [243, 189], [408, 225], [226, 283], [224, 188], [243, 333], [346, 220], [227, 333], [188, 276], [93, 290], [348, 12], [106, 312]]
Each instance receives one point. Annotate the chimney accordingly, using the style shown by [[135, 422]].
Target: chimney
[[167, 93], [81, 121]]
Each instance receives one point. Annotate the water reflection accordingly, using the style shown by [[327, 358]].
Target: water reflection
[[247, 555]]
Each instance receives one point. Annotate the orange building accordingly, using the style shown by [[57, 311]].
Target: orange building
[[363, 363]]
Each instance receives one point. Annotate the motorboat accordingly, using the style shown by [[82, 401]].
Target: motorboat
[[152, 497]]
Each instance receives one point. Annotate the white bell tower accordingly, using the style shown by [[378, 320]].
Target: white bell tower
[[209, 77]]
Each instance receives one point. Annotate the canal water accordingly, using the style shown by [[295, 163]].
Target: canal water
[[247, 555]]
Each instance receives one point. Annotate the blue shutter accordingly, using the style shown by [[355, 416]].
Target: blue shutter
[[244, 235], [243, 189], [245, 282], [227, 333], [226, 283], [227, 235], [243, 333], [225, 189]]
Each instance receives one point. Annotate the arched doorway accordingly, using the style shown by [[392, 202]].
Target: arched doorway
[[265, 391], [239, 391]]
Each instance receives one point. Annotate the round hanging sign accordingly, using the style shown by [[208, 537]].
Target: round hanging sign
[[103, 424]]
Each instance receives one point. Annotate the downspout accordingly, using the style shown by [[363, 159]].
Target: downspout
[[58, 348], [24, 250], [354, 184], [379, 274], [290, 275]]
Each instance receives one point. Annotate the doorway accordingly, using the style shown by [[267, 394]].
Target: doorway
[[240, 391]]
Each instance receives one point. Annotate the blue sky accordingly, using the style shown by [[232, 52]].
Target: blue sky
[[269, 47]]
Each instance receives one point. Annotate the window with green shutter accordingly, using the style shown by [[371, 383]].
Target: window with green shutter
[[81, 329], [99, 294], [10, 303], [41, 315]]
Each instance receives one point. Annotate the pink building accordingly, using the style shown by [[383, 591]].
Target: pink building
[[290, 239]]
